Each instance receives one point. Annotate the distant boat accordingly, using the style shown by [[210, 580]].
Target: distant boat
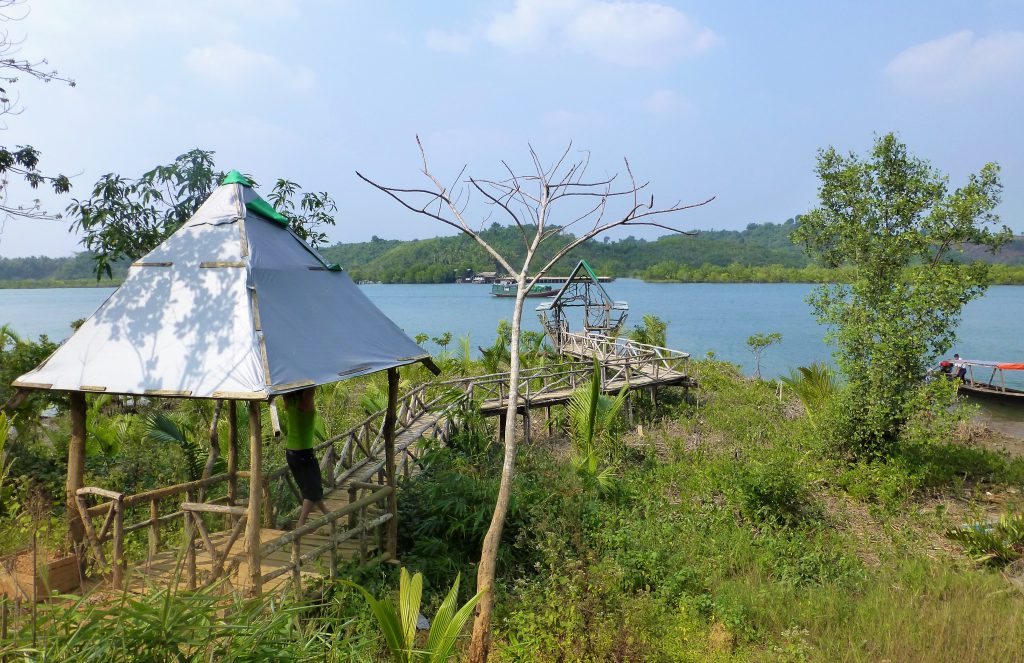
[[995, 387], [510, 288]]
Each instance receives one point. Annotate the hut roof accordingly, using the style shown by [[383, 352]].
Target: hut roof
[[232, 305]]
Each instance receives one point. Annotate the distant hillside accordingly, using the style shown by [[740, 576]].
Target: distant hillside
[[443, 259]]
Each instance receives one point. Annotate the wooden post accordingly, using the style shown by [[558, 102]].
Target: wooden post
[[119, 562], [232, 452], [551, 427], [154, 530], [76, 467], [526, 423], [334, 549], [190, 547], [232, 459], [390, 417], [296, 573], [501, 427], [252, 532]]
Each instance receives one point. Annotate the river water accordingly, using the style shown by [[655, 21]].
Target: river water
[[703, 317]]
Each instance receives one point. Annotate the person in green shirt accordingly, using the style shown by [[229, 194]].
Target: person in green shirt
[[300, 407]]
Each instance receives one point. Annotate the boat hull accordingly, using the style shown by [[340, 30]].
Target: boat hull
[[529, 294], [1006, 395]]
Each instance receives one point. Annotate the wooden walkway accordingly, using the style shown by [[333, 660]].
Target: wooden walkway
[[358, 495]]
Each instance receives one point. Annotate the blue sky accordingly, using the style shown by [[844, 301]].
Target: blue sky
[[705, 98]]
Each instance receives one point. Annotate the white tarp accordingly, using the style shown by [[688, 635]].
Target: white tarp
[[233, 305]]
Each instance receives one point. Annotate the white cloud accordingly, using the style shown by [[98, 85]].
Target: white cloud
[[665, 102], [447, 41], [958, 63], [625, 33], [230, 64]]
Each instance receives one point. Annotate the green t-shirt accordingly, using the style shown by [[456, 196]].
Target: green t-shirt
[[301, 426]]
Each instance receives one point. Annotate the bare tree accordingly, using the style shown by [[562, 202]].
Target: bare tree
[[527, 200]]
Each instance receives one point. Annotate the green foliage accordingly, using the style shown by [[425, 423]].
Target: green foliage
[[652, 332], [995, 543], [815, 385], [17, 357], [445, 511], [757, 344], [592, 417], [8, 504], [313, 212], [169, 625], [126, 217], [495, 358], [773, 491], [398, 624], [891, 218], [161, 429]]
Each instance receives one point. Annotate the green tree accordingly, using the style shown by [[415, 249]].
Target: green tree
[[757, 344], [128, 217], [891, 218]]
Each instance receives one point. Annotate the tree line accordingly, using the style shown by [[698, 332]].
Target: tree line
[[760, 253]]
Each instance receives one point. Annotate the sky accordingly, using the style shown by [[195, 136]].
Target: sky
[[724, 99]]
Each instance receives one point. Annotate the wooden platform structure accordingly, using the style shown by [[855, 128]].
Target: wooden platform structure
[[361, 525]]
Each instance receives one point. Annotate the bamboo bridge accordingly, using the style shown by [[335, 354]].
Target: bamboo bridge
[[189, 534]]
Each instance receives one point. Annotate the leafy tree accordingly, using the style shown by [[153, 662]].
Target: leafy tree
[[892, 219], [757, 344], [128, 217], [17, 357], [22, 161]]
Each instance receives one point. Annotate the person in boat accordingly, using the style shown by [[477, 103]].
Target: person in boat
[[946, 369], [300, 408], [959, 368]]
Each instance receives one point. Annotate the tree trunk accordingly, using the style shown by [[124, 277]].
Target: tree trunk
[[252, 532], [390, 417], [481, 644], [76, 466]]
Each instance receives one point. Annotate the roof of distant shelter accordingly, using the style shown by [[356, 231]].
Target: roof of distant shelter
[[232, 305]]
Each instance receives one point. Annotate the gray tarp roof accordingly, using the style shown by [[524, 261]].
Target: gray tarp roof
[[232, 305]]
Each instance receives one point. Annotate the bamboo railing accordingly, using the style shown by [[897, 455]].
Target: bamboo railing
[[352, 461]]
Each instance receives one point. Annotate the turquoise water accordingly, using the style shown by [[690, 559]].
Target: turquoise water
[[703, 317]]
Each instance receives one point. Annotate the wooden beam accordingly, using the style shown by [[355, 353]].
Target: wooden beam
[[252, 533], [390, 417], [76, 467]]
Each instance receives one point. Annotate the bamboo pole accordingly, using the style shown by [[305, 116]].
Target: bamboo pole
[[232, 452], [154, 531], [76, 467], [389, 462], [252, 534], [119, 561]]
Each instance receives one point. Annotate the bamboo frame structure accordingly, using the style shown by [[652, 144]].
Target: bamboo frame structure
[[361, 468]]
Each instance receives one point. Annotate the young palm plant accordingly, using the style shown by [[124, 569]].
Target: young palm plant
[[398, 623], [591, 415], [814, 385], [163, 430]]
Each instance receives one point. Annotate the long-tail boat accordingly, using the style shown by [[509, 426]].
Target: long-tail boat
[[975, 382]]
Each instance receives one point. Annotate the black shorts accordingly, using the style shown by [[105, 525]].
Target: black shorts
[[306, 471]]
